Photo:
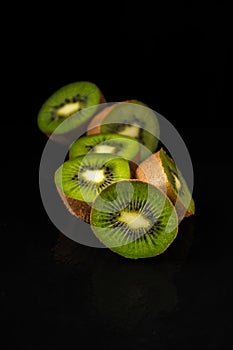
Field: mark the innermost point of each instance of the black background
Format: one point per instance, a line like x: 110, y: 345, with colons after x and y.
x: 55, y: 293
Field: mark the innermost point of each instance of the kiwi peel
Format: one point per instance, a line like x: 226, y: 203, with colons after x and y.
x: 160, y: 170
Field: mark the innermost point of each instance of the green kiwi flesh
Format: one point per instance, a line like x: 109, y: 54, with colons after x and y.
x: 134, y: 120
x: 134, y: 219
x: 122, y: 146
x: 70, y: 100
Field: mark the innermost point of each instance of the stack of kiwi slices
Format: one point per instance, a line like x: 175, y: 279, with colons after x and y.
x: 117, y: 177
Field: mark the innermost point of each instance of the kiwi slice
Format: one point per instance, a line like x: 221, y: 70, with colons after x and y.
x: 160, y: 170
x: 80, y: 180
x: 70, y: 100
x: 123, y: 146
x: 134, y: 219
x: 130, y: 118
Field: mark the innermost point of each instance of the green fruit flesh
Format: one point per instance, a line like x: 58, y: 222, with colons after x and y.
x: 71, y: 100
x: 84, y: 177
x: 134, y: 120
x: 177, y: 181
x: 134, y: 219
x: 122, y: 146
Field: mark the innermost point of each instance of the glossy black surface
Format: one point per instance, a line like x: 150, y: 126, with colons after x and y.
x: 56, y: 294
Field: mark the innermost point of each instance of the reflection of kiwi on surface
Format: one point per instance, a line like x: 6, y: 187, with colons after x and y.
x: 80, y: 180
x: 71, y: 99
x: 123, y: 295
x: 161, y: 171
x: 179, y: 250
x: 129, y: 297
x: 126, y: 295
x: 134, y: 219
x: 66, y: 251
x: 131, y: 118
x: 122, y: 146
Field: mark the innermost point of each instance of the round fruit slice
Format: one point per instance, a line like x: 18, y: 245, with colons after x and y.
x: 134, y: 219
x: 79, y: 181
x: 122, y: 146
x: 70, y: 100
x: 131, y: 118
x: 160, y: 170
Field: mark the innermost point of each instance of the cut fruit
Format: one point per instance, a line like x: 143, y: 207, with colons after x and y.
x: 130, y: 118
x: 121, y: 146
x: 134, y: 219
x: 161, y: 171
x: 79, y: 181
x: 71, y: 100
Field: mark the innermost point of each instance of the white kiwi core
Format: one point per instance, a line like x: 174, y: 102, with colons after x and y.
x: 131, y: 130
x: 104, y: 149
x: 134, y: 220
x: 68, y: 109
x: 96, y: 176
x: 177, y: 182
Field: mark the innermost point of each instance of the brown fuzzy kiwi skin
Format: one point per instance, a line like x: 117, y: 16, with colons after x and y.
x: 78, y: 208
x: 80, y: 130
x: 95, y: 124
x: 151, y: 171
x: 133, y: 167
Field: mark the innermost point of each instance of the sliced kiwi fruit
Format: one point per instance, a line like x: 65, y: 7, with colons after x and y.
x: 70, y: 100
x: 123, y: 146
x: 130, y: 118
x: 80, y: 180
x: 160, y: 170
x: 134, y: 219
